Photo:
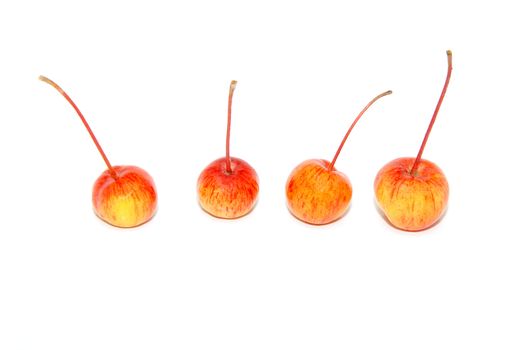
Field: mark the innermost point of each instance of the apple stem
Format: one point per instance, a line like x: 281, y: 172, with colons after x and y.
x: 423, y: 144
x: 66, y: 96
x: 233, y: 84
x: 332, y: 164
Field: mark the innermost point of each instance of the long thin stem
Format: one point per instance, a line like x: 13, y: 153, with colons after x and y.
x: 423, y: 144
x: 332, y: 164
x: 233, y: 84
x: 66, y: 96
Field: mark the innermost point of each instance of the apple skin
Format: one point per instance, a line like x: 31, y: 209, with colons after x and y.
x: 411, y: 202
x: 128, y: 200
x: 228, y: 195
x: 317, y: 195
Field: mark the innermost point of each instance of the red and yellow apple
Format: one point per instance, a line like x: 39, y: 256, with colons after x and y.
x: 411, y: 202
x: 316, y: 192
x: 126, y: 200
x: 413, y: 193
x: 123, y: 196
x: 228, y: 194
x: 228, y: 187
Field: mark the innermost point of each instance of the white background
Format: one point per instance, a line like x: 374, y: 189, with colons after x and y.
x: 153, y: 79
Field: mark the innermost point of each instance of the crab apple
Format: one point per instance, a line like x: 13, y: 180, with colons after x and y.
x: 123, y: 196
x: 412, y: 193
x: 228, y: 187
x: 316, y: 192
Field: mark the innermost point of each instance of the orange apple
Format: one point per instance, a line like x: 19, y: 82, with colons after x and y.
x: 412, y: 193
x: 228, y: 187
x: 316, y: 192
x: 123, y: 196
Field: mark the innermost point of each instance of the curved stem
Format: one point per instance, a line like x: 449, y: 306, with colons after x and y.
x: 332, y: 164
x: 423, y: 144
x: 233, y: 84
x: 66, y: 96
